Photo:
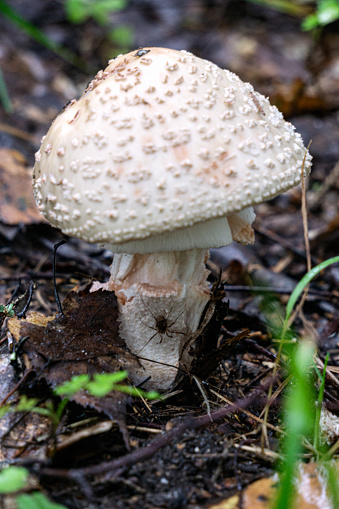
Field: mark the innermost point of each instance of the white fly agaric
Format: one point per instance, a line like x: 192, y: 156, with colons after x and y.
x: 161, y: 159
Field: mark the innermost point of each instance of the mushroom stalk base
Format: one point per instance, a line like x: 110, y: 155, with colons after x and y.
x: 161, y: 297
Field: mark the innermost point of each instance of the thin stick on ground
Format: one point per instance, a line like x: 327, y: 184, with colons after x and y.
x: 16, y: 387
x: 307, y: 245
x: 298, y: 308
x: 207, y: 403
x: 249, y: 414
x: 117, y: 466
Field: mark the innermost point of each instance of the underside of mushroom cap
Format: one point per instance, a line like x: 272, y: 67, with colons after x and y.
x: 216, y: 232
x: 162, y: 140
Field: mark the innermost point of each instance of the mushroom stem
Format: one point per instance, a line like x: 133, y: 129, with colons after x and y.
x: 161, y: 297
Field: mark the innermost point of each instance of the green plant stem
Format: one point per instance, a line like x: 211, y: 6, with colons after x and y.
x: 319, y: 405
x: 286, y: 6
x: 299, y: 421
x: 328, y: 455
x: 286, y: 491
x: 300, y: 287
x: 39, y: 36
x: 60, y: 410
x: 332, y: 482
x: 4, y: 97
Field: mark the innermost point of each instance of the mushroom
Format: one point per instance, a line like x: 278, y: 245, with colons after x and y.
x: 162, y: 158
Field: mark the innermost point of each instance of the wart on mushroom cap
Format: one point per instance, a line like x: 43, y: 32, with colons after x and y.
x: 164, y: 151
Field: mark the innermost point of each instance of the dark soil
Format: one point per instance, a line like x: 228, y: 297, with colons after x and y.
x: 195, y: 466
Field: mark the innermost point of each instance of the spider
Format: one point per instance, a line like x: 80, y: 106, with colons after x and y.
x: 162, y: 327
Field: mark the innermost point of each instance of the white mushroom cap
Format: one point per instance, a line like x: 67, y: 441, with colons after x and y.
x: 162, y: 140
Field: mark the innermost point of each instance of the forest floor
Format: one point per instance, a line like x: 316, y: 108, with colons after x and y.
x: 193, y: 449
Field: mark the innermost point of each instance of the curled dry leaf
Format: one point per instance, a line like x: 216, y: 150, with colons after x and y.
x: 16, y: 195
x: 84, y: 340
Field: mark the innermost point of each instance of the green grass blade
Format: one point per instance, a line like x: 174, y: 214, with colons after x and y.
x: 287, y: 6
x: 36, y: 34
x: 299, y: 421
x: 4, y: 96
x: 36, y: 500
x: 133, y: 391
x: 304, y: 282
x: 332, y: 482
x: 319, y: 405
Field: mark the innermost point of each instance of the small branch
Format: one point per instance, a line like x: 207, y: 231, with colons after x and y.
x: 16, y: 387
x: 207, y: 403
x: 57, y: 300
x: 117, y: 466
x: 299, y: 307
x: 284, y: 243
x: 22, y: 313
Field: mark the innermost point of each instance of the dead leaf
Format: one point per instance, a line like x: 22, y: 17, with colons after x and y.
x: 311, y: 492
x: 229, y: 503
x: 84, y: 340
x: 259, y: 494
x: 17, y: 204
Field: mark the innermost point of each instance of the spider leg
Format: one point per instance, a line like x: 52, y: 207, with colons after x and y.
x: 149, y: 326
x: 150, y: 339
x: 177, y: 318
x: 176, y: 332
x: 161, y: 338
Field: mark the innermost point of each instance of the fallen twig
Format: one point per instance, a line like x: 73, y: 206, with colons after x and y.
x: 16, y: 387
x: 117, y: 466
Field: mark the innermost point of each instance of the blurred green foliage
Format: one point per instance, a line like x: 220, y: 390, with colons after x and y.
x: 315, y: 14
x: 79, y: 11
x: 36, y: 500
x: 13, y: 479
x: 298, y: 420
x: 292, y: 7
x: 302, y: 407
x: 326, y: 12
x: 6, y: 103
x: 7, y: 310
x: 38, y: 35
x: 101, y: 384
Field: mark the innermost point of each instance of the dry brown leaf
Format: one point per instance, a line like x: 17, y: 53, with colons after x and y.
x: 229, y: 503
x: 311, y: 492
x: 259, y: 494
x: 17, y: 204
x: 84, y: 340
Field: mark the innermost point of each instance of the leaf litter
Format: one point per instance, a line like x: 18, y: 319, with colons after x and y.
x: 198, y: 467
x: 82, y: 340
